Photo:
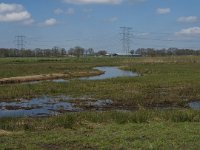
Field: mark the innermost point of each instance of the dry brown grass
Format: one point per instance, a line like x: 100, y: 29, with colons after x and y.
x: 5, y: 133
x: 52, y: 76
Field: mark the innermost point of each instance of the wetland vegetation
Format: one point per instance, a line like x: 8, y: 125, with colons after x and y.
x: 163, y: 82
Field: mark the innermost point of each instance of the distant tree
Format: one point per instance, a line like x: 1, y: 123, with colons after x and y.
x: 56, y: 51
x: 63, y: 51
x: 132, y: 52
x: 79, y: 51
x: 141, y: 51
x: 76, y: 51
x: 89, y: 51
x: 102, y: 52
x: 71, y: 51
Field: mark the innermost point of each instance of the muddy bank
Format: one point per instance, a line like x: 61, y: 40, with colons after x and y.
x: 49, y: 77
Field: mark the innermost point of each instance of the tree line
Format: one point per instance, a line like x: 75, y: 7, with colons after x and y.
x: 55, y: 51
x: 166, y: 52
x: 79, y: 51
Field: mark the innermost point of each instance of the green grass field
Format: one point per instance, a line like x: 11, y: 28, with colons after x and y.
x: 168, y: 81
x: 109, y: 130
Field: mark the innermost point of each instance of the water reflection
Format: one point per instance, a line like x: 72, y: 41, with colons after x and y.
x: 43, y: 106
x: 48, y: 106
x: 194, y: 105
x: 60, y: 80
x: 111, y: 72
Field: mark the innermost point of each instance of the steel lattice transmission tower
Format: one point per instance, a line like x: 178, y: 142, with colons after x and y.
x: 126, y: 38
x: 20, y: 42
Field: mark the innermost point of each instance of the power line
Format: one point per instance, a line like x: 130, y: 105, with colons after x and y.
x: 165, y: 40
x: 20, y: 42
x: 126, y: 38
x: 155, y: 33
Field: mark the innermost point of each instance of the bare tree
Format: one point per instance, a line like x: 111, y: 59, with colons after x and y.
x: 102, y: 52
x: 76, y: 51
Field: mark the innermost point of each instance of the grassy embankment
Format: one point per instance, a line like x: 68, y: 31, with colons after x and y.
x: 171, y: 81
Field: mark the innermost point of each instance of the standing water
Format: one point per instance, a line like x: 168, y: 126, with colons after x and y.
x: 194, y: 105
x: 111, y: 72
x: 42, y: 106
x: 45, y: 106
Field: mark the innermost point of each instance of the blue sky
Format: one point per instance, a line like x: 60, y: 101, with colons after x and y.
x: 96, y: 23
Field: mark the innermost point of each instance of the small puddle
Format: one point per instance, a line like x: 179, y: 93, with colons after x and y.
x: 54, y: 80
x: 194, y: 105
x: 100, y: 103
x: 60, y: 81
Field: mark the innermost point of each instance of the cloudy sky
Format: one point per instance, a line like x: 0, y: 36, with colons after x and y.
x: 96, y: 23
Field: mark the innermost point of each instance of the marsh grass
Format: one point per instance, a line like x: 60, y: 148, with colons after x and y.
x: 74, y: 120
x: 182, y: 116
x: 170, y: 81
x: 12, y: 67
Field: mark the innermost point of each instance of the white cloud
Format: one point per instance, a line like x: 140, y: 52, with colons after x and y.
x: 113, y: 2
x: 13, y: 13
x: 93, y: 1
x: 163, y: 10
x: 4, y: 7
x: 49, y: 22
x: 188, y: 19
x: 70, y: 11
x: 189, y: 31
x: 15, y: 16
